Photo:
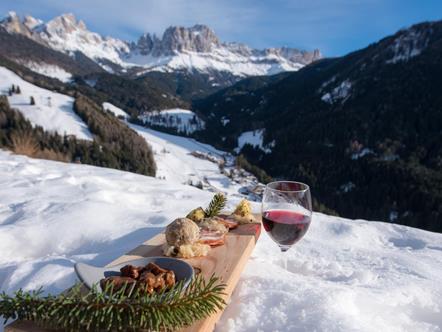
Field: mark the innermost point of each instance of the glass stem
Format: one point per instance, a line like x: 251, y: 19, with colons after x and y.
x: 284, y: 257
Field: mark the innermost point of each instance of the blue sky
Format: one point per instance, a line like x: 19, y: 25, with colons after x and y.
x: 336, y: 27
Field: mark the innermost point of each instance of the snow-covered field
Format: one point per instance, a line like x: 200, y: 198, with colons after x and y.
x: 53, y: 111
x: 184, y: 121
x: 255, y: 138
x: 345, y: 275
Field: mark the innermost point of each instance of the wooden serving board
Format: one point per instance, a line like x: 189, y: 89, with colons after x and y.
x: 226, y: 262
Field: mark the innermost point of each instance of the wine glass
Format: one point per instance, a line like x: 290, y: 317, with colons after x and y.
x: 286, y: 212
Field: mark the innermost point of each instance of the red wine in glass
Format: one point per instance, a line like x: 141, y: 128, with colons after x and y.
x: 285, y: 227
x: 286, y: 212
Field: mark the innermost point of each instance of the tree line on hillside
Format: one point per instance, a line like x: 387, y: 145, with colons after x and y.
x: 114, y: 145
x: 126, y: 149
x: 20, y: 136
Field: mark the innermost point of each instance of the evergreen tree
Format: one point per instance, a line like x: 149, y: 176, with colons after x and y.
x: 32, y: 101
x: 18, y: 90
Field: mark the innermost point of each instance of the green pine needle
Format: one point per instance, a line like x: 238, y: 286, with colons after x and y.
x: 110, y: 310
x: 217, y: 203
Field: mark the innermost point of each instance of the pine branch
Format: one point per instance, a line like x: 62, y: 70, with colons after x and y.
x: 217, y: 203
x: 109, y: 310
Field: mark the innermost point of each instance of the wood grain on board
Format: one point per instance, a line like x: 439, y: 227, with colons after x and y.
x: 226, y: 262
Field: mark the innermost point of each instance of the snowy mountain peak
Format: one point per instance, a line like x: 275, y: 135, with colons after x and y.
x: 31, y: 22
x: 65, y: 24
x: 67, y: 34
x: 176, y: 39
x: 12, y: 24
x: 12, y: 15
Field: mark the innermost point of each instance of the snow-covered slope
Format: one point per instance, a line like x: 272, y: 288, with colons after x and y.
x: 115, y: 110
x: 194, y: 48
x: 345, y: 275
x: 53, y: 71
x: 52, y: 111
x: 254, y: 138
x: 64, y: 33
x: 187, y: 161
x: 222, y: 59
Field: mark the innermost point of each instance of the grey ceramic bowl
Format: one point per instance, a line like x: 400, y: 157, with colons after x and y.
x: 91, y: 275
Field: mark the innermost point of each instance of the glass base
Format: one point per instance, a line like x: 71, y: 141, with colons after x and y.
x: 284, y: 248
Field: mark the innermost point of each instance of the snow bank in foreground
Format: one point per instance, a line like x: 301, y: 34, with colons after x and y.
x: 345, y: 275
x: 53, y: 111
x: 53, y: 71
x: 184, y: 121
x: 115, y: 110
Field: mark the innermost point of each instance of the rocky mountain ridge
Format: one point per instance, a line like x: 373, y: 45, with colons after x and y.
x: 193, y: 49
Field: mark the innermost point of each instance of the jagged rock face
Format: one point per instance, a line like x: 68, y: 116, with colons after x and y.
x: 202, y: 39
x: 295, y: 55
x: 65, y: 33
x: 199, y: 38
x: 144, y: 45
x: 198, y: 47
x: 64, y: 25
x: 12, y: 24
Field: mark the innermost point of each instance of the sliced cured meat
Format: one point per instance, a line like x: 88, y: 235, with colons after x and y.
x: 227, y: 221
x: 212, y: 238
